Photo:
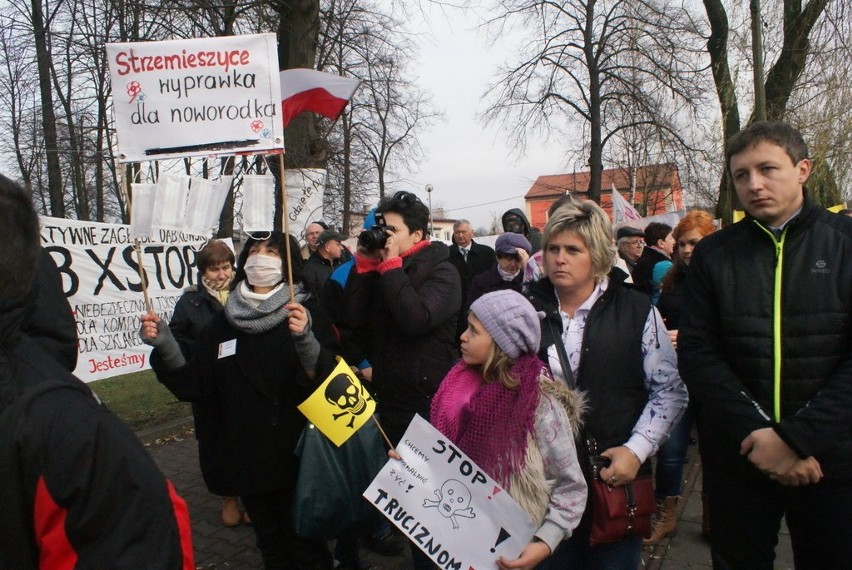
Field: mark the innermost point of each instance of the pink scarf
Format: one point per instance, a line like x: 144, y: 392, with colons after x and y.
x: 488, y: 422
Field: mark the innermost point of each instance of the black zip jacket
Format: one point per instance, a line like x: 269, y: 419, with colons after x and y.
x: 766, y: 338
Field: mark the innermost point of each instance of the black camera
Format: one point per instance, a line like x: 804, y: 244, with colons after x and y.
x: 376, y: 237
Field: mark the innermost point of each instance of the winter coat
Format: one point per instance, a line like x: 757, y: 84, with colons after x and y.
x: 480, y: 259
x: 316, y: 271
x: 51, y: 321
x: 671, y: 301
x: 489, y: 282
x: 532, y: 234
x: 195, y: 308
x: 551, y: 487
x: 407, y: 317
x: 643, y: 273
x: 749, y: 296
x: 247, y: 420
x: 77, y: 489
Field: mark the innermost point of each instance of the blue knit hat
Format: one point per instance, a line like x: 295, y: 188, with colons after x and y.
x: 511, y: 321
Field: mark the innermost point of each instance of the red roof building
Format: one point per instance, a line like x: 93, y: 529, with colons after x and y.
x: 653, y: 189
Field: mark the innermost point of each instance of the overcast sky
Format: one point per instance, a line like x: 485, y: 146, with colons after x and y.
x: 472, y: 169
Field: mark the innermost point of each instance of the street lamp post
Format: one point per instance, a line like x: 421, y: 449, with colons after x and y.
x: 431, y: 222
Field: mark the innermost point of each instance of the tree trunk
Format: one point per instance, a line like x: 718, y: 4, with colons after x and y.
x: 595, y: 143
x: 298, y: 33
x: 717, y: 48
x: 48, y: 117
x: 785, y: 73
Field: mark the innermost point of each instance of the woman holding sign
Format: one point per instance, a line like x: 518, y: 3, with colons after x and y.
x: 195, y: 308
x: 254, y: 363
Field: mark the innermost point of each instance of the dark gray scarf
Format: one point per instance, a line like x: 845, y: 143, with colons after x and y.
x: 243, y: 316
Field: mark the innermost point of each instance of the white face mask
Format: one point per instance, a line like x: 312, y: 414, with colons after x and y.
x: 263, y: 270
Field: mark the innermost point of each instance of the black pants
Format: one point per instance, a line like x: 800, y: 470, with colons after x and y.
x: 281, y: 548
x: 745, y: 517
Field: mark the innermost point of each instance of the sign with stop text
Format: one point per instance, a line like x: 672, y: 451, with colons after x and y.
x: 446, y: 505
x: 196, y: 97
x: 100, y: 278
x: 340, y: 406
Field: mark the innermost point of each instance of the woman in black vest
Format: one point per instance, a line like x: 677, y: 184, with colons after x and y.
x: 619, y: 354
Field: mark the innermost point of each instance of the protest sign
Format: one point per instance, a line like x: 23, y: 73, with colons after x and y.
x: 305, y: 188
x: 100, y: 277
x: 446, y: 505
x: 196, y: 97
x: 340, y: 406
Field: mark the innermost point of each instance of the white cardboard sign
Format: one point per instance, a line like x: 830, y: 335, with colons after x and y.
x: 196, y: 97
x: 446, y: 505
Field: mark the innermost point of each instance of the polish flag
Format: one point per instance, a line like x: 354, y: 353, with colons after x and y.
x: 312, y: 90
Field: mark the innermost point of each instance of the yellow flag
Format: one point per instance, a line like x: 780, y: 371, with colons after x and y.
x: 340, y: 406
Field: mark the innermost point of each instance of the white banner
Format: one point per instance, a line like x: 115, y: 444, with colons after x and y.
x: 196, y: 97
x: 446, y: 505
x: 99, y: 272
x: 305, y: 189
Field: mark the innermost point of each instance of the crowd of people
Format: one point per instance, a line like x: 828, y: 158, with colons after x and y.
x: 558, y: 359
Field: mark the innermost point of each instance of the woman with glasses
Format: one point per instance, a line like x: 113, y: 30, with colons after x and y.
x: 404, y: 296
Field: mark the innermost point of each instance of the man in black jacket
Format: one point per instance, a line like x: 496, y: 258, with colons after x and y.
x: 77, y: 489
x: 470, y: 259
x: 323, y: 261
x: 766, y: 352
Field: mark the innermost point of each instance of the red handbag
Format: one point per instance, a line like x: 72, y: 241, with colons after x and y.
x: 618, y: 512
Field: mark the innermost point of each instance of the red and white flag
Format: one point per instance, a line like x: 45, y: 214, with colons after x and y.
x: 312, y: 90
x: 622, y: 210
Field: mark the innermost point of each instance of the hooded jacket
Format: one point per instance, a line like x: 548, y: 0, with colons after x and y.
x: 531, y: 233
x: 766, y: 338
x: 77, y: 489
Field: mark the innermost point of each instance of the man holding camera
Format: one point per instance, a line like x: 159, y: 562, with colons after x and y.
x: 405, y: 295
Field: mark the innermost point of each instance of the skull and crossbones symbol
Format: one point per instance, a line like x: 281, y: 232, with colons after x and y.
x: 348, y: 396
x: 453, y: 501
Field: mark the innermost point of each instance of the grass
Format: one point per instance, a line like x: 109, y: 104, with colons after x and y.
x: 140, y: 400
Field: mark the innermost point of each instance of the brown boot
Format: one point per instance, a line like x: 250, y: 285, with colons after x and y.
x: 231, y: 515
x: 666, y: 522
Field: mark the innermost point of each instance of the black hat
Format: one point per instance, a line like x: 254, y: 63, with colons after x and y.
x: 329, y: 235
x: 627, y: 231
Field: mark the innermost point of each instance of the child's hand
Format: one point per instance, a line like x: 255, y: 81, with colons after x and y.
x: 532, y: 555
x: 394, y: 455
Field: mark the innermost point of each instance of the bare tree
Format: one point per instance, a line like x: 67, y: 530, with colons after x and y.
x: 798, y: 21
x: 379, y: 132
x: 596, y: 67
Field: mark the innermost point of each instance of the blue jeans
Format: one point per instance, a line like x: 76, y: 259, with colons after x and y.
x: 672, y: 456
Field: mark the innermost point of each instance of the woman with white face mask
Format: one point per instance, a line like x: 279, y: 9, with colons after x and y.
x: 254, y: 363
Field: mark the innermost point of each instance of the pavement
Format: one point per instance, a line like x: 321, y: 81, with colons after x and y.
x: 174, y: 449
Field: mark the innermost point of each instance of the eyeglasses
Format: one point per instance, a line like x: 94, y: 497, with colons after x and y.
x: 406, y: 197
